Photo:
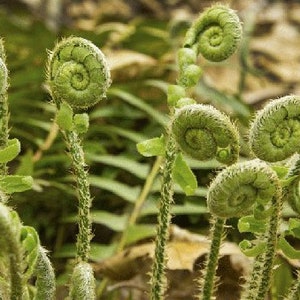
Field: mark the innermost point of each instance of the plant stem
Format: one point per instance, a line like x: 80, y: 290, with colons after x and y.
x: 259, y: 283
x: 158, y: 280
x: 4, y: 114
x: 207, y: 287
x: 267, y: 266
x: 84, y: 198
x: 10, y: 230
x: 294, y: 290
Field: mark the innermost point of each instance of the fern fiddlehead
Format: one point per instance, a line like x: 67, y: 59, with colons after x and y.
x: 235, y: 192
x: 78, y: 73
x: 205, y: 133
x: 189, y: 74
x: 275, y: 132
x: 78, y: 77
x: 215, y: 34
x: 238, y: 187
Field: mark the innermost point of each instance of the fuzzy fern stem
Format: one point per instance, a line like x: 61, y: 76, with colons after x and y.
x: 10, y: 231
x: 158, y: 279
x: 207, y: 287
x: 294, y: 291
x: 269, y: 256
x: 84, y: 197
x: 4, y: 115
x: 259, y: 282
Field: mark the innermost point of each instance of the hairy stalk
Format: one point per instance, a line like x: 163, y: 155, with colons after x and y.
x: 84, y: 197
x: 45, y: 283
x: 207, y: 287
x: 158, y: 279
x: 4, y: 115
x: 11, y: 246
x: 78, y: 78
x: 274, y: 136
x: 205, y: 133
x: 269, y: 256
x: 294, y: 291
x: 202, y: 131
x: 260, y: 279
x: 235, y: 192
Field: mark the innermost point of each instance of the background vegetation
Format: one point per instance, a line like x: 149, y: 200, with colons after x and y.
x: 140, y: 40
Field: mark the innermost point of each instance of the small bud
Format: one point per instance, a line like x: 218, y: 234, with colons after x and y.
x: 175, y: 92
x: 190, y: 76
x: 185, y: 101
x: 81, y: 122
x: 186, y: 57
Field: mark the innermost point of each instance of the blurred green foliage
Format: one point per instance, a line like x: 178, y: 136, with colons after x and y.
x: 134, y: 111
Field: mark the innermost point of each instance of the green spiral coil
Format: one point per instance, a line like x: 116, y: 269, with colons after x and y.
x: 238, y: 187
x: 205, y: 133
x: 215, y: 34
x: 275, y: 131
x: 77, y: 73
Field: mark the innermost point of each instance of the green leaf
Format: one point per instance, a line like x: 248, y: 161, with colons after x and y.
x: 281, y: 171
x: 153, y: 147
x: 124, y: 191
x: 30, y: 243
x: 11, y: 151
x: 186, y: 209
x: 184, y: 176
x: 15, y: 222
x: 259, y: 211
x: 140, y: 231
x: 98, y: 251
x: 26, y: 165
x: 294, y: 227
x: 64, y: 116
x: 139, y: 103
x: 288, y: 249
x: 121, y: 162
x: 110, y: 220
x: 81, y: 122
x: 117, y: 130
x: 15, y: 183
x: 251, y: 250
x: 282, y: 278
x: 251, y: 224
x: 288, y: 181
